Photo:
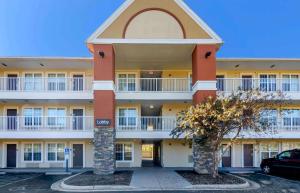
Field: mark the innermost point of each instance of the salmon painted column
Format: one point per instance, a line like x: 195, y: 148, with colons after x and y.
x: 104, y: 109
x: 204, y: 81
x: 204, y: 72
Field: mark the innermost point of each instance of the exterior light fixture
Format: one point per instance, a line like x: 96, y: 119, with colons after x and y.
x: 272, y: 66
x: 236, y: 66
x: 42, y: 64
x: 207, y: 54
x: 3, y: 64
x: 102, y: 54
x: 151, y: 107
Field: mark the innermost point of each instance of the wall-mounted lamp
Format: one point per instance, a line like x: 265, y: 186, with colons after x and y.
x: 3, y: 64
x: 102, y: 54
x: 272, y: 66
x: 207, y: 54
x: 42, y: 64
x: 151, y: 106
x: 236, y: 66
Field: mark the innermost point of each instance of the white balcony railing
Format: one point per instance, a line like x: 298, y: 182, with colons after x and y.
x: 39, y: 123
x: 45, y: 84
x: 153, y: 85
x: 262, y: 84
x: 149, y: 124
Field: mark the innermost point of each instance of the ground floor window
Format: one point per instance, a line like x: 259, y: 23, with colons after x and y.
x: 268, y: 150
x: 32, y: 152
x: 123, y: 152
x: 56, y: 152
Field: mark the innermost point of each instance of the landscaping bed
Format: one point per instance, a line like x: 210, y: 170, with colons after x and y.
x: 91, y: 179
x: 201, y: 179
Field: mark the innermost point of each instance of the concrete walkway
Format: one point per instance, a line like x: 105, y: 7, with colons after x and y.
x: 154, y: 178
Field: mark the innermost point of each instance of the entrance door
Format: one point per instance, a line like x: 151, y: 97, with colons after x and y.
x: 12, y: 82
x: 248, y: 155
x: 77, y: 155
x: 11, y: 155
x: 226, y: 156
x: 11, y: 120
x: 77, y: 119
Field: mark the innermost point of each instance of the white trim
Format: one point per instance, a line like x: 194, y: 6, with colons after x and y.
x: 205, y: 85
x: 32, y: 151
x: 199, y: 21
x: 154, y: 41
x: 123, y: 152
x: 83, y: 154
x: 46, y: 152
x: 215, y: 38
x: 109, y: 21
x: 5, y: 153
x: 103, y: 85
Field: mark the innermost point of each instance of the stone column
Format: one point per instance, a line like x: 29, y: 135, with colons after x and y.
x: 204, y: 81
x: 104, y: 109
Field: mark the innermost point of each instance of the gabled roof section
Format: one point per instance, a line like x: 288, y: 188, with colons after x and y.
x: 113, y: 29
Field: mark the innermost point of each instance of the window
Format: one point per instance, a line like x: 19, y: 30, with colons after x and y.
x: 290, y: 82
x: 127, y: 117
x: 285, y: 155
x: 268, y: 150
x: 269, y: 118
x: 296, y: 155
x: 56, y: 82
x: 56, y: 152
x: 220, y: 83
x: 33, y: 81
x: 247, y: 82
x: 32, y: 152
x: 267, y: 82
x: 32, y: 117
x: 123, y: 152
x: 56, y: 117
x: 78, y: 82
x: 291, y: 119
x: 127, y: 82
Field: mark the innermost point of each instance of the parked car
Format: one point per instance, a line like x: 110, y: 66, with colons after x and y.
x: 285, y: 162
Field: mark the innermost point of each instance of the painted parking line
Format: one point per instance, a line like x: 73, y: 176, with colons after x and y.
x: 9, y: 179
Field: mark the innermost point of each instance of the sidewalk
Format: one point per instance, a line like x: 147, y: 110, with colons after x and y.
x: 153, y: 178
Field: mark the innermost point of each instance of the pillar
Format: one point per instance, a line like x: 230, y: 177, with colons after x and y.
x: 104, y: 109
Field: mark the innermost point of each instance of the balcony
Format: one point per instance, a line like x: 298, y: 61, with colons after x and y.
x: 46, y: 127
x: 145, y: 127
x: 290, y: 87
x: 46, y: 88
x: 154, y: 88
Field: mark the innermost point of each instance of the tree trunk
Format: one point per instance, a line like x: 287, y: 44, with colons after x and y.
x: 205, y: 158
x: 104, y: 151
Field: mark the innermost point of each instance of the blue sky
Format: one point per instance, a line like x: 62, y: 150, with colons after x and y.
x: 249, y: 28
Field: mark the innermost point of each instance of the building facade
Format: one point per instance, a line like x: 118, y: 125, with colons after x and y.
x: 151, y: 60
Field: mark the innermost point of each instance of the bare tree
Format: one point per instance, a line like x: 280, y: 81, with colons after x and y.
x: 210, y: 122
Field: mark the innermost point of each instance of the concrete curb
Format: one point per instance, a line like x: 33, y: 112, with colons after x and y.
x: 61, y: 186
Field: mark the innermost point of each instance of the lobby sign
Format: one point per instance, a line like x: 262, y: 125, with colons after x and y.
x: 103, y: 122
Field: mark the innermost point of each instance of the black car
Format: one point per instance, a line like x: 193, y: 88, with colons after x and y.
x: 285, y: 162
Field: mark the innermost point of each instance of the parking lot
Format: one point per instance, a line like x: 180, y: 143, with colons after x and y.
x: 40, y: 183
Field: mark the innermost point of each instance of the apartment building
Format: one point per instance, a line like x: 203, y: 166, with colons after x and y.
x: 151, y: 59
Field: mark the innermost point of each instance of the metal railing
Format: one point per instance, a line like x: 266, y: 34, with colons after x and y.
x: 41, y: 123
x: 153, y: 85
x: 262, y: 84
x: 145, y: 123
x: 45, y: 84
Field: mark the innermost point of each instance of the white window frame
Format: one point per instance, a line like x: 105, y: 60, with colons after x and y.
x: 57, y: 125
x: 127, y: 83
x: 57, y: 83
x: 72, y: 80
x: 290, y: 81
x: 32, y: 73
x: 23, y: 116
x: 32, y: 152
x: 127, y: 125
x: 268, y: 82
x: 291, y: 117
x: 123, y: 152
x: 47, y: 151
x: 269, y: 150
